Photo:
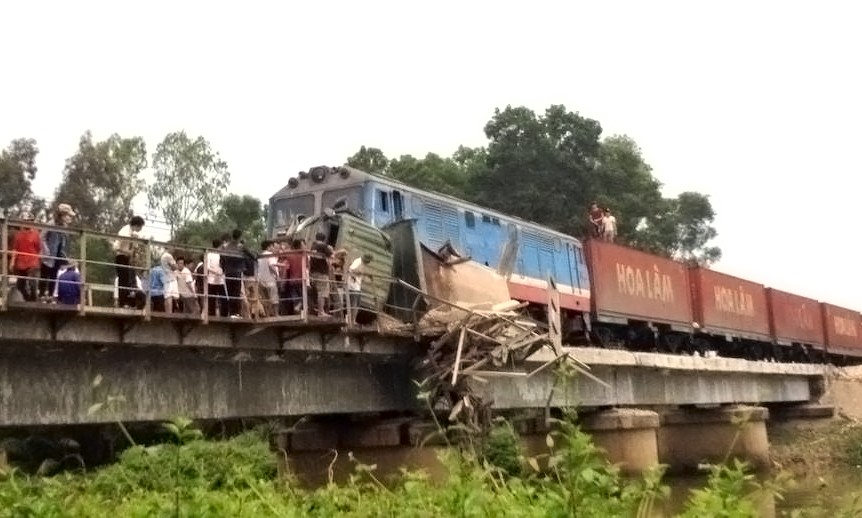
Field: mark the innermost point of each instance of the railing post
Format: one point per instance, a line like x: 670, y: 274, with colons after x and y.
x: 304, y: 277
x: 348, y: 305
x: 206, y: 276
x: 146, y: 278
x: 82, y: 266
x: 4, y: 268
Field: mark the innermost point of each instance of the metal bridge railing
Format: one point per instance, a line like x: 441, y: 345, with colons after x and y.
x: 215, y: 295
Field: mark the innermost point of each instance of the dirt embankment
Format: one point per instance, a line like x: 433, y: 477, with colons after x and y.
x: 814, y: 447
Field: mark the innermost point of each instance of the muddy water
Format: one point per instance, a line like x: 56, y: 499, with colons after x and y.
x: 820, y: 495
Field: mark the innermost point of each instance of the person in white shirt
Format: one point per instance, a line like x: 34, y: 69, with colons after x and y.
x: 215, y: 281
x: 172, y: 291
x: 267, y: 277
x: 186, y: 288
x: 609, y: 226
x: 355, y: 275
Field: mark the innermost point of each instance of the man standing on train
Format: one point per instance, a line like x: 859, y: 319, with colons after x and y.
x: 609, y: 226
x: 596, y: 219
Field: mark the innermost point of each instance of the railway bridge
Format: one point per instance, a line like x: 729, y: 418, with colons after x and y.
x: 60, y: 368
x: 57, y: 366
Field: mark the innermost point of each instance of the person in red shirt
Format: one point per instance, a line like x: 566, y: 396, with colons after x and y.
x: 290, y: 269
x: 596, y: 216
x: 25, y: 264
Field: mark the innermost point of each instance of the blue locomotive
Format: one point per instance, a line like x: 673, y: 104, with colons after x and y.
x: 527, y: 253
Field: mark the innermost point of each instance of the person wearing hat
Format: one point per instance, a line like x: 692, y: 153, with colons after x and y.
x: 24, y: 262
x: 55, y: 244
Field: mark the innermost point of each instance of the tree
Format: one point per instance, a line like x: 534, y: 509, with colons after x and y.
x: 623, y: 182
x: 548, y: 168
x: 199, y: 233
x: 17, y: 171
x: 539, y: 167
x: 190, y: 180
x: 694, y: 215
x: 370, y: 160
x: 433, y: 173
x: 246, y: 213
x: 101, y: 180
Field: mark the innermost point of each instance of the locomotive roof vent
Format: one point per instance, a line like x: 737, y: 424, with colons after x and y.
x: 303, y: 175
x: 293, y: 183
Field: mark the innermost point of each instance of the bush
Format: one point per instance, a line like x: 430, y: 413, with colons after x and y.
x: 501, y: 448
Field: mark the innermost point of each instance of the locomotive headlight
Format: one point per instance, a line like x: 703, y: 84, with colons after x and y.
x: 293, y: 183
x: 318, y: 174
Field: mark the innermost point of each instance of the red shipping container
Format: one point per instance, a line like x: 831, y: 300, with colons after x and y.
x: 795, y: 319
x: 728, y: 305
x: 842, y: 327
x: 628, y: 284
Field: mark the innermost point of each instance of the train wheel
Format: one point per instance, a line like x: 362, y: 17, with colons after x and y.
x: 700, y: 346
x: 605, y: 337
x: 780, y: 354
x: 671, y: 343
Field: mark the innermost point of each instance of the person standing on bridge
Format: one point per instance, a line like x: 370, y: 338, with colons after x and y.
x: 24, y: 264
x: 124, y: 250
x: 267, y: 277
x: 357, y: 272
x: 54, y: 245
x: 319, y: 269
x: 233, y: 264
x: 217, y: 296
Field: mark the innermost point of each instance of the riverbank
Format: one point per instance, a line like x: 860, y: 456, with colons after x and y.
x: 812, y: 447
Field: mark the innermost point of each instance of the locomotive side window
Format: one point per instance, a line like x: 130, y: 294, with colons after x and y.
x: 350, y: 197
x: 469, y: 219
x: 397, y: 204
x: 383, y: 201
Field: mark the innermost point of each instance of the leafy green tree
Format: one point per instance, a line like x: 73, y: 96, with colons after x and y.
x: 246, y: 213
x: 370, y: 160
x: 199, y: 233
x: 549, y: 168
x: 623, y: 182
x: 433, y: 173
x: 17, y: 171
x: 101, y: 180
x: 190, y: 180
x: 695, y: 215
x: 540, y: 167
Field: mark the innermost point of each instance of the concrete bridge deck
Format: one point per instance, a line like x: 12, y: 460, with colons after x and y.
x: 55, y: 365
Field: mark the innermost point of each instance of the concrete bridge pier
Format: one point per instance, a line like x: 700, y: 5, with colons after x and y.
x: 319, y: 452
x: 693, y: 436
x: 629, y: 436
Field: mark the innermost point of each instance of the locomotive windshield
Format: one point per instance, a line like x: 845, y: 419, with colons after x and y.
x: 288, y: 210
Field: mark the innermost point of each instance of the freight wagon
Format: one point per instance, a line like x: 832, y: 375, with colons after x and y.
x: 610, y: 295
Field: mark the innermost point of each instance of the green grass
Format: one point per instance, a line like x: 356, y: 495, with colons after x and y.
x: 192, y: 477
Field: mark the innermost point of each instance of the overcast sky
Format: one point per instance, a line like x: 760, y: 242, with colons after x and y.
x: 755, y: 103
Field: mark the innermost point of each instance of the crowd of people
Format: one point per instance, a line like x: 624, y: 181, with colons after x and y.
x: 227, y: 281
